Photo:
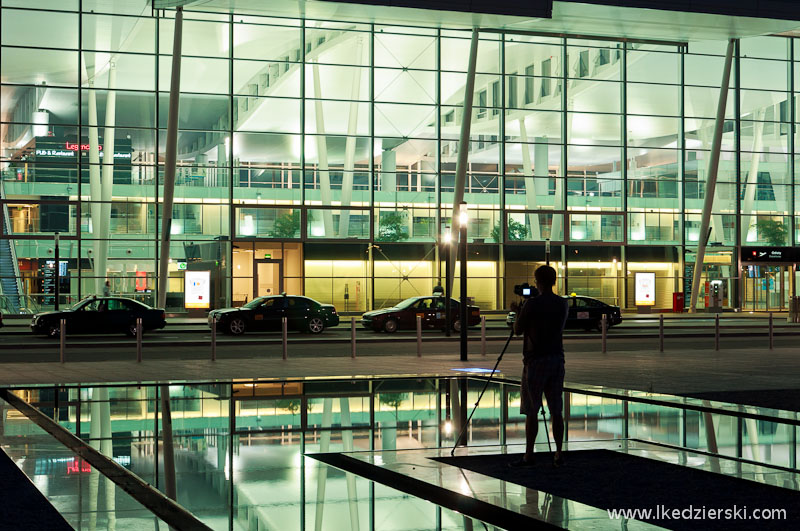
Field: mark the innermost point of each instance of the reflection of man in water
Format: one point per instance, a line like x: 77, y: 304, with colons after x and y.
x: 541, y: 319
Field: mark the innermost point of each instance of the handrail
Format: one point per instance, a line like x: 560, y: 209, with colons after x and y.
x: 151, y: 498
x: 666, y: 403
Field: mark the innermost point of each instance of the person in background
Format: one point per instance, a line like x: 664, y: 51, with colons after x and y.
x: 107, y: 289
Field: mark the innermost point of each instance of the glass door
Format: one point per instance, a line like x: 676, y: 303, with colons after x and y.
x: 267, y: 277
x: 766, y: 288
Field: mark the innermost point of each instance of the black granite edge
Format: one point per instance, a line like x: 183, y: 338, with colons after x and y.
x: 775, y: 9
x: 25, y: 506
x: 148, y: 496
x: 449, y: 499
x: 529, y: 8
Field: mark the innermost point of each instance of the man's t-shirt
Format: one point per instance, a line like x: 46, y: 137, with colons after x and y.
x: 542, y: 321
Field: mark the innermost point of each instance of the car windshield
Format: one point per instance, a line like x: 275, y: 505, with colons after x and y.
x: 255, y: 303
x: 406, y: 303
x: 82, y: 304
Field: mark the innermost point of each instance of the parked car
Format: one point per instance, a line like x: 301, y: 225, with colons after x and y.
x: 100, y: 315
x: 403, y: 316
x: 266, y: 313
x: 584, y: 312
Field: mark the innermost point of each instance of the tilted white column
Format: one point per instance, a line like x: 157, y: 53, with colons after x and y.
x: 752, y: 175
x: 95, y: 427
x: 350, y: 145
x: 539, y: 168
x: 463, y: 152
x: 347, y: 446
x: 107, y: 182
x: 322, y: 469
x: 95, y: 187
x: 711, y: 177
x: 322, y: 155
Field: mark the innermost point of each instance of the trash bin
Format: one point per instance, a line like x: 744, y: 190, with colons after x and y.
x: 794, y: 310
x: 677, y: 302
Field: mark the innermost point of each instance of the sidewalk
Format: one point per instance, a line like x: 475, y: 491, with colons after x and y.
x: 676, y: 372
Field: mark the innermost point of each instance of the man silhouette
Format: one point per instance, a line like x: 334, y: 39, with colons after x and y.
x: 541, y: 319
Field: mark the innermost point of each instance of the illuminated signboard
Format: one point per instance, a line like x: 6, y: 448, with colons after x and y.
x: 645, y: 289
x: 770, y: 254
x: 198, y: 289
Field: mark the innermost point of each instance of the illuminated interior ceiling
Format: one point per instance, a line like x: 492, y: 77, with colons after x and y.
x: 568, y: 17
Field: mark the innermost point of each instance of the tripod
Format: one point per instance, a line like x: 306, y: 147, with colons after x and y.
x: 486, y: 385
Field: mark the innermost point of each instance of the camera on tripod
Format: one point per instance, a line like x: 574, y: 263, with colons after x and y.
x: 525, y: 290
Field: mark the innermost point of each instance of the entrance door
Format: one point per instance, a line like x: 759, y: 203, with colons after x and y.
x: 765, y: 287
x: 267, y: 277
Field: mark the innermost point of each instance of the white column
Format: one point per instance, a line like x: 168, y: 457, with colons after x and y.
x: 95, y: 187
x: 388, y: 169
x: 463, y: 152
x: 107, y: 182
x: 107, y: 449
x: 752, y: 177
x: 322, y: 154
x: 350, y: 145
x: 711, y: 178
x: 95, y: 427
x: 347, y: 446
x: 322, y: 469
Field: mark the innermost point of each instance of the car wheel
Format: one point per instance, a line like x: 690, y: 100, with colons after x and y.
x: 53, y: 330
x: 236, y: 326
x: 599, y: 326
x: 390, y: 326
x: 131, y: 330
x: 457, y: 326
x: 316, y: 325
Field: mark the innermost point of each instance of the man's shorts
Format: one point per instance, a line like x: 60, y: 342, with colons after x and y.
x: 542, y: 376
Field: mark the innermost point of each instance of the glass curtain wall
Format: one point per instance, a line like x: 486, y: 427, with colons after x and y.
x: 314, y: 136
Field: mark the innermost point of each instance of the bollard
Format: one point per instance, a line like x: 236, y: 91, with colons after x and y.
x: 138, y: 339
x: 661, y: 332
x: 214, y: 338
x: 419, y: 336
x: 285, y: 334
x: 771, y: 336
x: 716, y: 332
x: 62, y: 339
x: 483, y: 335
x: 352, y: 337
x: 603, y: 330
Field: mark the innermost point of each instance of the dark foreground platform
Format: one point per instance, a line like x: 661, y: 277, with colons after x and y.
x: 598, y: 476
x: 24, y: 506
x: 614, y: 480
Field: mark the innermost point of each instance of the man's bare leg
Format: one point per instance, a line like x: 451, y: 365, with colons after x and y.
x: 558, y: 433
x: 531, y: 430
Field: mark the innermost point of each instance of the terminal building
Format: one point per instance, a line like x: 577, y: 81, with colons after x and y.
x: 318, y: 143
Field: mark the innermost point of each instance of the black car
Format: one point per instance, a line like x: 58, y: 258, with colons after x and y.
x: 266, y: 313
x: 584, y: 312
x: 100, y: 315
x: 431, y: 309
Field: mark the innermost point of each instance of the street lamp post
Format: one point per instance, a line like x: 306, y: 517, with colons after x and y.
x: 447, y: 287
x: 547, y: 251
x: 463, y: 219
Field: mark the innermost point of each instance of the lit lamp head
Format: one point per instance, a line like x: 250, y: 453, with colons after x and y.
x: 463, y: 215
x: 446, y: 237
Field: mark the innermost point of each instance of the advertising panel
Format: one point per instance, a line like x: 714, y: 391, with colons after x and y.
x: 198, y: 289
x: 645, y: 293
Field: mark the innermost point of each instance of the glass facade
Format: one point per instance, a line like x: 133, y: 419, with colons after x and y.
x: 319, y: 157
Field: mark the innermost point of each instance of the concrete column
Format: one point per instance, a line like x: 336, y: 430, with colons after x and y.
x: 752, y: 177
x: 388, y: 167
x: 201, y: 161
x: 107, y: 181
x: 322, y: 470
x: 322, y: 154
x: 711, y: 179
x: 350, y: 143
x: 463, y: 152
x: 95, y: 186
x: 170, y: 160
x: 347, y: 446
